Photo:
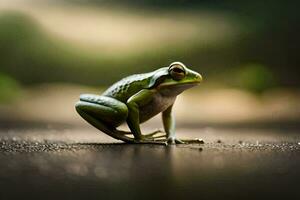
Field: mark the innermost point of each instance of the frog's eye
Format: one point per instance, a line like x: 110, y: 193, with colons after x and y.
x: 177, y: 71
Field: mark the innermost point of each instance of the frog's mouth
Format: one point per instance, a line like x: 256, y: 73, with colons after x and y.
x: 175, y: 88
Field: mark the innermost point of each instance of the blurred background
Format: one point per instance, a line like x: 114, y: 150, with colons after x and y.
x: 52, y: 51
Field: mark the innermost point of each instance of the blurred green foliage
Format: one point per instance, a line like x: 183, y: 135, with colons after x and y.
x: 31, y: 56
x: 10, y: 89
x: 269, y: 38
x: 254, y: 77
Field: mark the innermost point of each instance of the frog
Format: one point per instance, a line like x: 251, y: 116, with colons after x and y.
x: 136, y: 99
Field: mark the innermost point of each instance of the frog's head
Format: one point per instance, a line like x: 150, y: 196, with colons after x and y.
x: 175, y: 79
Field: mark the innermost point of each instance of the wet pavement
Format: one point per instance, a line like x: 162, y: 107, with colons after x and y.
x: 47, y: 163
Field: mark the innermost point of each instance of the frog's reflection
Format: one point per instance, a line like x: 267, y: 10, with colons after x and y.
x: 132, y: 162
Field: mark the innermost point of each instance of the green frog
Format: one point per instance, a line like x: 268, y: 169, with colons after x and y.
x: 136, y: 99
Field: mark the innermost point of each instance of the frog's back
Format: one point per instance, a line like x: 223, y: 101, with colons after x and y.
x: 125, y: 88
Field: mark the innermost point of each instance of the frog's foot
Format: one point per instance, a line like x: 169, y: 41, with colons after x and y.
x: 150, y: 136
x: 146, y: 141
x: 154, y: 135
x: 172, y: 140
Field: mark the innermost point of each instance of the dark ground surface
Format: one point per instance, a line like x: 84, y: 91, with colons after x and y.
x: 82, y: 164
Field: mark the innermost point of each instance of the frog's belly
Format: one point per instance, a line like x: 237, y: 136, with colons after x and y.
x: 158, y: 104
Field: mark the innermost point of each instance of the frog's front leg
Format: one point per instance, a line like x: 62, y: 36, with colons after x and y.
x: 169, y: 126
x: 133, y: 120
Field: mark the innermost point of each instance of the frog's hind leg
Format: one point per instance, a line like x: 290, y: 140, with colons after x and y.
x: 104, y: 113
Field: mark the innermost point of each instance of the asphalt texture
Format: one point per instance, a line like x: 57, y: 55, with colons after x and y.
x: 48, y: 163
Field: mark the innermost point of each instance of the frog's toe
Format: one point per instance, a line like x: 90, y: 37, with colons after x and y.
x: 172, y: 140
x: 152, y: 135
